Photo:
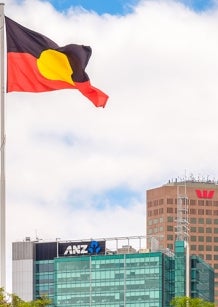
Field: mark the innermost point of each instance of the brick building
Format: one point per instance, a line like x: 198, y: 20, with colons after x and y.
x: 188, y: 209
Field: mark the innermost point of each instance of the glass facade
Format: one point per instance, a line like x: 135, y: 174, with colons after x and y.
x: 180, y: 269
x: 202, y: 276
x: 113, y: 280
x: 44, y: 278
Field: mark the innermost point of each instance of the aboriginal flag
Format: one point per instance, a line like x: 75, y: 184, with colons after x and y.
x: 37, y: 64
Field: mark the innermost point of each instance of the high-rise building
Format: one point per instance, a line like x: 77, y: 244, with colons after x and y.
x: 186, y: 209
x: 105, y: 272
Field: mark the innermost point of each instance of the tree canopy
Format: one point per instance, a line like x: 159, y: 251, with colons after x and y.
x: 185, y: 301
x: 12, y: 300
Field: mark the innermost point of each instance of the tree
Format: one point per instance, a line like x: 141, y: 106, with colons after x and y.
x: 185, y: 301
x: 12, y: 300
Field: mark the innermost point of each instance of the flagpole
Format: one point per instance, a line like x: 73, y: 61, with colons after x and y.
x: 2, y: 161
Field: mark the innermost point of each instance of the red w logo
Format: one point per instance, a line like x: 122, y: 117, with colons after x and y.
x: 205, y: 194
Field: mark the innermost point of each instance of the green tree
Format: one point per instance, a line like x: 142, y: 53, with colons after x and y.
x: 3, y: 299
x: 185, y: 301
x: 12, y: 300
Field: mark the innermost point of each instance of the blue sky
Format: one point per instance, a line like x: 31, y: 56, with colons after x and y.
x: 121, y: 7
x: 107, y: 6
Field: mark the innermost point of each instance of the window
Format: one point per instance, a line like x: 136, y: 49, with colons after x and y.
x: 200, y: 202
x: 170, y: 246
x: 215, y: 239
x: 155, y: 221
x: 208, y: 239
x: 208, y: 221
x: 192, y: 202
x: 200, y: 211
x: 208, y: 212
x: 169, y: 219
x: 169, y: 201
x: 193, y: 238
x: 215, y: 212
x: 208, y: 248
x: 193, y: 229
x: 208, y: 230
x: 161, y: 210
x: 201, y: 221
x: 201, y: 229
x: 208, y: 257
x: 169, y: 210
x: 200, y: 247
x: 208, y: 202
x: 169, y: 237
x: 161, y: 201
x: 201, y: 239
x: 215, y: 221
x: 192, y: 211
x: 215, y: 230
x: 155, y: 202
x: 149, y: 213
x: 156, y: 212
x: 193, y: 220
x: 169, y: 228
x: 193, y: 247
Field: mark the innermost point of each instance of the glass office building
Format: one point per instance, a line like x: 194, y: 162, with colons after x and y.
x: 88, y: 273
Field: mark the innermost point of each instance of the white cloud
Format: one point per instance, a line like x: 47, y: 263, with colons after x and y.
x: 159, y: 66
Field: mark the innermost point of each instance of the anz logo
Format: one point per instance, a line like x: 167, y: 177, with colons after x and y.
x: 207, y: 194
x: 82, y: 249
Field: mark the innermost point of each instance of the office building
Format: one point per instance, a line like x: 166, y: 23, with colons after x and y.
x: 186, y: 209
x: 107, y: 272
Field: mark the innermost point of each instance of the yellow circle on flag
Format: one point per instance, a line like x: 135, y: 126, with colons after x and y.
x: 54, y: 65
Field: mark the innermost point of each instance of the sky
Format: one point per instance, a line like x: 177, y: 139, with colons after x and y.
x: 74, y: 171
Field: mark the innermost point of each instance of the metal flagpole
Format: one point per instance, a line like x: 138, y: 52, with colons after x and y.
x: 2, y: 161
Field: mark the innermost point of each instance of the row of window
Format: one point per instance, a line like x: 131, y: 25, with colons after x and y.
x: 197, y: 238
x: 193, y: 230
x: 191, y: 202
x: 159, y: 211
x: 192, y: 220
x: 137, y: 300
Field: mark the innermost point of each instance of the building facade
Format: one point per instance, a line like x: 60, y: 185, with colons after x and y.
x: 102, y: 273
x: 187, y: 209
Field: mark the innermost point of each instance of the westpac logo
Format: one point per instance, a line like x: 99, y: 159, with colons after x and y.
x: 83, y: 248
x: 208, y: 194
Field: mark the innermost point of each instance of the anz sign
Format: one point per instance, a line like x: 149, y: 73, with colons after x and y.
x: 82, y: 248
